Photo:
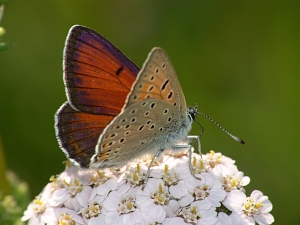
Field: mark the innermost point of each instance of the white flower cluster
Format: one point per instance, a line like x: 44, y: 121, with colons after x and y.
x: 171, y: 196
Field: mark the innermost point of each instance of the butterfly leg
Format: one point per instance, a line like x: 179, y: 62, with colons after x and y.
x: 192, y: 138
x: 149, y: 167
x: 177, y: 148
x: 189, y: 140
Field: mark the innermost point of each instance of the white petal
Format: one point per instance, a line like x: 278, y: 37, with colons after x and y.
x: 128, y: 219
x: 83, y: 196
x: 171, y: 208
x: 265, y: 218
x: 191, y: 183
x: 207, y: 221
x: 178, y: 190
x: 245, y: 180
x: 112, y: 201
x: 152, y: 210
x: 267, y: 207
x: 256, y: 195
x: 224, y: 218
x: 112, y: 218
x: 203, y: 204
x: 186, y: 200
x: 36, y: 220
x: 174, y: 221
x: 58, y: 197
x: 234, y: 200
x: 72, y: 203
x: 93, y: 194
x: 97, y: 220
x: 209, y: 213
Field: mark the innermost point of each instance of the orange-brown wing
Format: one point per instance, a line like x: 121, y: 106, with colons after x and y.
x: 78, y: 133
x: 98, y: 78
x: 97, y: 75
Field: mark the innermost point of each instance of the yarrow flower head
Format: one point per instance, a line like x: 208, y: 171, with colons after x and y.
x: 248, y: 210
x: 172, y: 195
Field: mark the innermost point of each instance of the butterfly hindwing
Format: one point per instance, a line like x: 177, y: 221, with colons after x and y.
x: 78, y: 133
x: 136, y: 131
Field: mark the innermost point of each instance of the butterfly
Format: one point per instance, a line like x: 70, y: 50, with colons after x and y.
x: 116, y: 112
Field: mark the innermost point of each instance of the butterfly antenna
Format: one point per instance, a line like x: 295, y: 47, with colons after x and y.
x: 222, y: 128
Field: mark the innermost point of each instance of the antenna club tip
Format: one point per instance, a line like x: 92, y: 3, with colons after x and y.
x: 238, y: 139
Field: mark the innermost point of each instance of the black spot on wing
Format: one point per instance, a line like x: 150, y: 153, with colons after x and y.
x: 119, y: 70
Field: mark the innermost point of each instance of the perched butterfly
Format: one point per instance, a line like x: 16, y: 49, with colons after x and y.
x: 115, y: 112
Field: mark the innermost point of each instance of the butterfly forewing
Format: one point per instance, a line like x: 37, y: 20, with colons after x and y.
x: 157, y: 79
x: 97, y: 76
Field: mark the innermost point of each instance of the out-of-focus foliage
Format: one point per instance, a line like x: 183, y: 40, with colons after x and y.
x: 13, y: 205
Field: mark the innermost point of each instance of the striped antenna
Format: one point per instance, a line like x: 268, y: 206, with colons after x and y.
x: 222, y: 128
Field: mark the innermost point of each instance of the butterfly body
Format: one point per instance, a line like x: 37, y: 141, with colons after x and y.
x: 116, y: 113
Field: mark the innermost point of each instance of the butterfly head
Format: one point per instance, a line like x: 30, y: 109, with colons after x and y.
x: 192, y: 112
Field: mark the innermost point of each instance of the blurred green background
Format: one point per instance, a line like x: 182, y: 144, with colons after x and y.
x: 239, y: 60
